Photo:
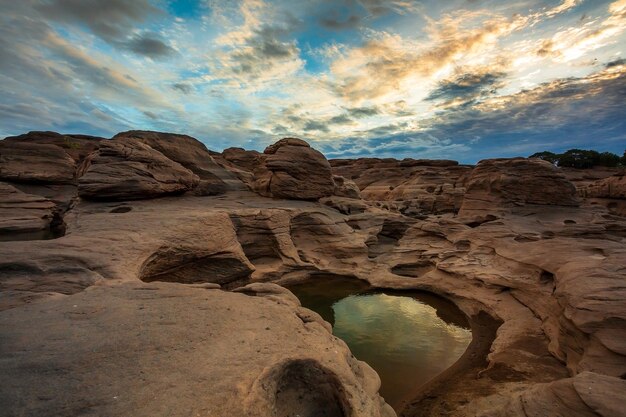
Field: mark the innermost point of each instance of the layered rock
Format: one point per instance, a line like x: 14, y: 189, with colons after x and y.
x: 291, y: 169
x: 543, y: 287
x: 34, y: 162
x: 241, y: 158
x: 190, y: 153
x: 412, y: 186
x: 611, y: 187
x: 131, y: 171
x: 503, y: 185
x: 23, y: 213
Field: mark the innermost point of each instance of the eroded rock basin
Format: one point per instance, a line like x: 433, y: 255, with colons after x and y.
x: 407, y: 337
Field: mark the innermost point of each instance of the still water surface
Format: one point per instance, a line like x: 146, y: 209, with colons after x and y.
x: 407, y: 337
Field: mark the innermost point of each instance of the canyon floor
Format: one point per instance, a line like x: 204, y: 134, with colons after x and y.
x: 142, y: 275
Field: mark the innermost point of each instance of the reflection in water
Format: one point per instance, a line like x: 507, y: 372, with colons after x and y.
x: 398, y: 334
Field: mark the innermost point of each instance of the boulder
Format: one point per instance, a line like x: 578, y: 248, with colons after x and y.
x: 504, y: 185
x: 241, y: 158
x: 291, y: 169
x: 35, y: 162
x: 76, y: 146
x: 346, y: 188
x: 131, y: 171
x: 190, y: 153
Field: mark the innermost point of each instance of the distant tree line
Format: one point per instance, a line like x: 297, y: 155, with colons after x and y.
x: 579, y: 158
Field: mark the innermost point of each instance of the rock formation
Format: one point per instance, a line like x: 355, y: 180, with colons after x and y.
x: 23, y: 213
x: 290, y: 168
x: 131, y: 311
x: 190, y: 153
x: 131, y: 171
x: 413, y: 187
x: 497, y: 185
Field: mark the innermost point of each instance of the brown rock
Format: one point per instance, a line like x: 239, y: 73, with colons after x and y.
x: 131, y: 171
x: 190, y: 153
x: 76, y: 146
x: 497, y: 185
x: 35, y: 162
x: 423, y: 186
x: 291, y: 169
x: 23, y: 213
x: 346, y: 188
x: 241, y: 158
x: 611, y: 187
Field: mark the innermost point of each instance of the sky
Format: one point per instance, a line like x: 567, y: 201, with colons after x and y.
x: 452, y: 79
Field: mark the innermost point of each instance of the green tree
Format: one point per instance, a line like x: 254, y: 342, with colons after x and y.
x: 581, y: 159
x: 546, y: 156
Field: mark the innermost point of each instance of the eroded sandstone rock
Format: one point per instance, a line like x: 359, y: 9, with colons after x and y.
x: 549, y: 279
x: 23, y: 213
x: 190, y: 153
x: 497, y: 185
x: 35, y: 162
x: 291, y: 169
x: 414, y: 186
x: 131, y: 171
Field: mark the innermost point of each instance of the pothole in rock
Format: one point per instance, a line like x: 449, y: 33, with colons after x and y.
x: 408, y: 337
x: 121, y: 209
x: 305, y: 389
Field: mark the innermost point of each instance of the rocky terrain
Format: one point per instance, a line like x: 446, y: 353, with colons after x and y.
x: 142, y: 276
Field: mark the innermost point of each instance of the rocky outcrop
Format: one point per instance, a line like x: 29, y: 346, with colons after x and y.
x: 241, y: 158
x: 44, y: 157
x: 504, y: 185
x: 346, y: 188
x: 132, y: 171
x: 124, y: 305
x: 34, y: 162
x: 610, y: 187
x: 190, y: 153
x: 414, y: 187
x: 291, y: 169
x: 23, y: 213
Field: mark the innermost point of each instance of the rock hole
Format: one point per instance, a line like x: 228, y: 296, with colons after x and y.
x: 413, y: 270
x: 305, y: 389
x: 123, y: 209
x: 568, y: 221
x: 546, y: 277
x: 547, y: 235
x: 478, y: 222
x: 170, y: 265
x: 526, y: 238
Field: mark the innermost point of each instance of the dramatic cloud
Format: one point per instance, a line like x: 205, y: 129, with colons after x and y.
x: 149, y: 45
x: 422, y: 78
x: 108, y: 19
x: 467, y: 87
